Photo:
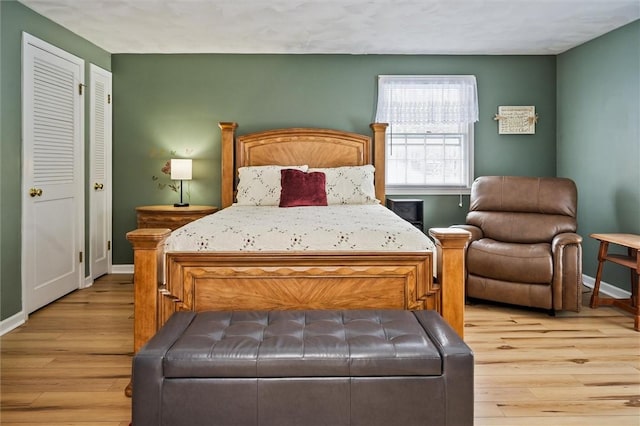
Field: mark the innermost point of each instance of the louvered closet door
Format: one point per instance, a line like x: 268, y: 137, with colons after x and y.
x: 52, y: 203
x: 100, y: 181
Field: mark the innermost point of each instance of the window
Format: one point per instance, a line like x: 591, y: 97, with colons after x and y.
x: 430, y: 138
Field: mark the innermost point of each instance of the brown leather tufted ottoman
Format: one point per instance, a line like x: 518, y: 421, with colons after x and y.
x: 306, y: 368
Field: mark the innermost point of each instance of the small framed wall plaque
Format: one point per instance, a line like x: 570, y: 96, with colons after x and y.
x: 516, y: 120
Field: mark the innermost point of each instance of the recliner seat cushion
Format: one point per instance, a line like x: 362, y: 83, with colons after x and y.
x: 524, y: 228
x: 527, y: 263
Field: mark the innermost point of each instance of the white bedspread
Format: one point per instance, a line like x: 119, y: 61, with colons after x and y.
x: 270, y: 228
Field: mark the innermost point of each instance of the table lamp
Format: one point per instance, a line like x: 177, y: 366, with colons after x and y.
x: 181, y: 170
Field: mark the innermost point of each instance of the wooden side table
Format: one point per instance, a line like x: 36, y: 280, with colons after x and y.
x: 630, y: 260
x: 168, y: 216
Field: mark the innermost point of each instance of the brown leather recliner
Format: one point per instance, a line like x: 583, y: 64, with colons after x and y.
x: 524, y: 249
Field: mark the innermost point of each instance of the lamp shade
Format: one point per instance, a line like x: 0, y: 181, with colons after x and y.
x: 181, y: 169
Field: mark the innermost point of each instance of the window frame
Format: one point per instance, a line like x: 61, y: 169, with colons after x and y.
x: 431, y: 189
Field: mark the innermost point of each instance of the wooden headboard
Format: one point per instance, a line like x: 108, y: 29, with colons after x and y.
x: 295, y: 146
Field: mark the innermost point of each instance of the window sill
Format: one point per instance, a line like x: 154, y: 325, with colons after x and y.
x: 426, y: 191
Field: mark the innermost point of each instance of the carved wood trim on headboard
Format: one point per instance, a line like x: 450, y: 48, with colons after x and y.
x: 296, y: 146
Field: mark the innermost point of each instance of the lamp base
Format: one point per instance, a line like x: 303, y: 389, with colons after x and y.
x: 181, y: 205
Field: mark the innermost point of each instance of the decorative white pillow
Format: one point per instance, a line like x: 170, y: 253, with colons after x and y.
x: 349, y: 184
x: 260, y: 185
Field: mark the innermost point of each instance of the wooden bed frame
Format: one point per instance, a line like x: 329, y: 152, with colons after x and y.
x: 285, y: 280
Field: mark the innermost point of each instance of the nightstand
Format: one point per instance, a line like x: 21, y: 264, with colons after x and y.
x: 409, y: 209
x: 168, y: 216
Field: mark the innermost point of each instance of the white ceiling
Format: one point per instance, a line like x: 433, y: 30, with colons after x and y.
x: 339, y: 26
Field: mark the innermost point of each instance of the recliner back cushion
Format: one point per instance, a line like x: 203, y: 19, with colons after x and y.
x: 523, y: 209
x: 525, y: 195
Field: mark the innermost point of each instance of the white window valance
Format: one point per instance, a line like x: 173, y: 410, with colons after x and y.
x: 427, y: 100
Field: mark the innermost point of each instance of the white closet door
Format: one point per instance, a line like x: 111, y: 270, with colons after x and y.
x: 52, y: 201
x: 100, y: 182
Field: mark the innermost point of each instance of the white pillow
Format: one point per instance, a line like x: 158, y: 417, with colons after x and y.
x: 349, y: 184
x: 260, y: 185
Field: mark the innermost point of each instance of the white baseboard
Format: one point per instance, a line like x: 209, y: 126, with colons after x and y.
x: 121, y: 269
x: 605, y: 288
x: 12, y: 322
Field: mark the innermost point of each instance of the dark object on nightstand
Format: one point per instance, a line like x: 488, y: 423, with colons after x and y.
x: 409, y: 209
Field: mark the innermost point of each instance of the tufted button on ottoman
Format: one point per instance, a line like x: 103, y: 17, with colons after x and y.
x: 387, y: 367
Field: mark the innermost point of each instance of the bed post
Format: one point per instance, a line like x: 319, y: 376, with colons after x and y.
x: 148, y: 263
x: 227, y: 168
x: 451, y: 245
x: 379, y: 133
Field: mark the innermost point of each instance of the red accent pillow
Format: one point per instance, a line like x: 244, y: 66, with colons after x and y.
x: 302, y: 189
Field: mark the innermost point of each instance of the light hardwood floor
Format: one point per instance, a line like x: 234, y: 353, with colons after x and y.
x: 69, y: 364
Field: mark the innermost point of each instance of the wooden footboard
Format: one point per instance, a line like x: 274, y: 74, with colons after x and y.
x: 258, y: 281
x: 285, y: 281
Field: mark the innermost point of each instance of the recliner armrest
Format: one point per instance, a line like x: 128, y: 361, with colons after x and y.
x: 565, y: 238
x: 567, y: 271
x: 476, y: 233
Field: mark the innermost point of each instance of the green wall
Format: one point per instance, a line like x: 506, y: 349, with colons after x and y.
x: 14, y: 19
x: 167, y: 103
x: 169, y: 106
x: 598, y: 86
